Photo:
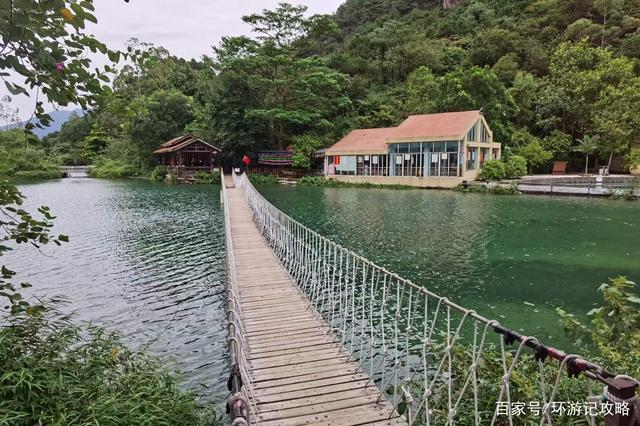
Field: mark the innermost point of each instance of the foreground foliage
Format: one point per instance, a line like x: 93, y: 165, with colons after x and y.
x: 18, y: 226
x: 44, y: 43
x: 54, y: 372
x: 204, y: 178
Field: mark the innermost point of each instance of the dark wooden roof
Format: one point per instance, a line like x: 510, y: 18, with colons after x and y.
x: 181, y: 142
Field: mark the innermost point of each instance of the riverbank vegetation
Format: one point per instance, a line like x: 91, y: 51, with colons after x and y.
x: 334, y: 183
x: 491, y: 188
x: 21, y: 156
x: 545, y: 77
x: 53, y: 371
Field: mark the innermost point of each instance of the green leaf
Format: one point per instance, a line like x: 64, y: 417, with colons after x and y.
x: 634, y: 299
x: 14, y: 89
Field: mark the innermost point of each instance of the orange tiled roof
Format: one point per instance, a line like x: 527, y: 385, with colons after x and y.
x: 367, y: 141
x: 444, y: 125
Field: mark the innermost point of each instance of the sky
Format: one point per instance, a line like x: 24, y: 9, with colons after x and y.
x: 187, y: 28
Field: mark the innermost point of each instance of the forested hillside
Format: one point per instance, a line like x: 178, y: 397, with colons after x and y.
x: 548, y: 74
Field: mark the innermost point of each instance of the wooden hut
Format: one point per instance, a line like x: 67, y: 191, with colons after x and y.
x: 187, y: 155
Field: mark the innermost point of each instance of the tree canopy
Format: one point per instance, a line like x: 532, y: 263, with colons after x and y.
x: 544, y: 72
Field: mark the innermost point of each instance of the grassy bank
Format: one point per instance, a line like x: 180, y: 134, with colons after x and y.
x: 53, y: 371
x: 333, y: 183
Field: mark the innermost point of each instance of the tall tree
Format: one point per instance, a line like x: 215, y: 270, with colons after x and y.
x: 288, y: 94
x: 44, y: 43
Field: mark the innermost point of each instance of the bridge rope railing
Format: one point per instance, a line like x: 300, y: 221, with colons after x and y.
x: 434, y: 360
x: 242, y: 402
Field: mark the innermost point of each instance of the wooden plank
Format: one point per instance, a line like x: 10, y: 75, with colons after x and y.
x: 293, y: 351
x: 319, y: 398
x: 301, y: 373
x: 258, y: 351
x: 265, y: 375
x: 274, y: 344
x: 263, y: 398
x: 322, y: 407
x: 283, y: 387
x: 355, y: 416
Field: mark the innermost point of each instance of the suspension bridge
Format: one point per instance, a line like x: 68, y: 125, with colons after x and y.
x: 321, y: 335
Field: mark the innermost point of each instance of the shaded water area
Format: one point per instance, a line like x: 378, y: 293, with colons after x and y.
x: 511, y: 258
x: 145, y: 259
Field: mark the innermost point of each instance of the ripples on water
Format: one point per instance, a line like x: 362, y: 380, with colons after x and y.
x: 145, y: 259
x: 510, y: 258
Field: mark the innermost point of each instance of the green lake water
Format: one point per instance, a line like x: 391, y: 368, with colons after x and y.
x: 511, y: 258
x: 145, y: 259
x: 148, y: 259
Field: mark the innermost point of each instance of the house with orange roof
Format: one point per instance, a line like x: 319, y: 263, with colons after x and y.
x: 431, y: 150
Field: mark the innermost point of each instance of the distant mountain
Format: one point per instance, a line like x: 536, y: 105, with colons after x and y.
x: 58, y: 119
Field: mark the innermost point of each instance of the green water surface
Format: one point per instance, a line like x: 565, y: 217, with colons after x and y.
x: 511, y: 258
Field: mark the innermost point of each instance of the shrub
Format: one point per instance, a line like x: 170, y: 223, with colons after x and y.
x: 55, y: 372
x: 39, y: 174
x: 632, y: 160
x: 493, y: 170
x: 159, y: 173
x: 511, y: 189
x: 535, y: 154
x: 205, y: 178
x: 613, y: 329
x: 333, y: 183
x: 263, y: 179
x: 108, y: 169
x: 313, y: 181
x: 515, y: 167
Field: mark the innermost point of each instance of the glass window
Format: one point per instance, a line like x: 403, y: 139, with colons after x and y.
x: 439, y: 146
x: 403, y: 147
x: 471, y: 158
x: 452, y: 146
x: 471, y: 136
x: 485, y: 134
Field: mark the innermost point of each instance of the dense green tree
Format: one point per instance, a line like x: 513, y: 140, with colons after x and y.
x: 559, y: 144
x: 282, y: 92
x: 479, y: 88
x: 534, y: 153
x: 158, y: 118
x: 69, y: 142
x: 423, y: 92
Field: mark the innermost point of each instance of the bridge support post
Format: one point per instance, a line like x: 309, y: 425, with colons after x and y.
x: 622, y: 390
x: 237, y: 405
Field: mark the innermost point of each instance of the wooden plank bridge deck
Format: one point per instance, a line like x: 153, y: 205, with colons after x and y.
x: 301, y: 375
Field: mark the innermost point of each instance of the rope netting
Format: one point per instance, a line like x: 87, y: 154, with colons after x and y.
x: 240, y: 382
x: 434, y: 360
